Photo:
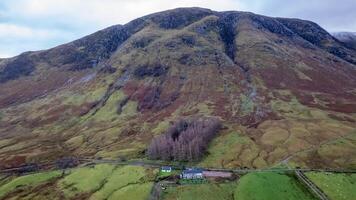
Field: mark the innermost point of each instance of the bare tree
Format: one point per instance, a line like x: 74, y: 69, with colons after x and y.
x: 185, y: 140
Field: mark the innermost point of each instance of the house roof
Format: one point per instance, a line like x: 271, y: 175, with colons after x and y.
x: 166, y: 168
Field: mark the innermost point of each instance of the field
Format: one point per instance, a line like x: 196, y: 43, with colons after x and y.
x: 270, y: 186
x: 96, y: 182
x: 253, y: 186
x: 201, y: 192
x: 162, y: 175
x: 335, y: 186
x: 110, y: 182
x: 27, y: 182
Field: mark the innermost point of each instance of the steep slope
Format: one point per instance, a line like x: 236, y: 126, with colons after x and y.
x: 348, y: 38
x: 284, y: 89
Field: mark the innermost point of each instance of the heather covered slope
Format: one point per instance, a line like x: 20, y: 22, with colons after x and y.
x: 284, y: 90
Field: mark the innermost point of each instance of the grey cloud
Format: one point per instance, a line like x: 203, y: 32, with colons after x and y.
x: 333, y: 15
x: 78, y: 19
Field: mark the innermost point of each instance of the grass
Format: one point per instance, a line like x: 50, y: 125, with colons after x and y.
x: 224, y: 150
x: 103, y: 181
x: 87, y: 179
x: 162, y: 175
x: 274, y: 136
x: 120, y: 178
x: 247, y: 104
x: 3, y: 180
x: 222, y: 191
x: 130, y: 192
x: 107, y: 181
x: 91, y: 95
x: 292, y: 108
x: 161, y: 127
x: 270, y: 186
x: 75, y: 141
x: 335, y: 186
x: 5, y: 142
x: 31, y: 180
x: 108, y: 112
x: 222, y: 147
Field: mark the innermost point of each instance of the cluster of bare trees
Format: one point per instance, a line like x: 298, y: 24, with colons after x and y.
x: 185, y: 140
x: 66, y: 162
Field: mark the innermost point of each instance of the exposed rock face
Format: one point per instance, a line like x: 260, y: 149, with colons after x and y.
x: 284, y: 86
x: 348, y: 38
x: 17, y: 67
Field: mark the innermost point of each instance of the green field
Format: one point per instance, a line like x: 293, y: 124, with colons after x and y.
x: 97, y: 182
x: 122, y: 179
x: 335, y: 186
x: 27, y: 181
x: 131, y: 192
x: 84, y: 180
x: 108, y: 181
x: 162, y: 175
x: 111, y: 182
x: 211, y: 191
x: 270, y: 186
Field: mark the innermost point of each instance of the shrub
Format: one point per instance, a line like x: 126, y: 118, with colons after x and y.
x: 67, y: 162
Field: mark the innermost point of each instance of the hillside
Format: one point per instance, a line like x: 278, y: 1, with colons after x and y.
x: 284, y: 90
x: 348, y: 38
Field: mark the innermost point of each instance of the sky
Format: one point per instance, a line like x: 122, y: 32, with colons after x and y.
x: 28, y: 25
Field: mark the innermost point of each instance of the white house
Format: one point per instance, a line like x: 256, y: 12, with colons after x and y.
x: 166, y: 169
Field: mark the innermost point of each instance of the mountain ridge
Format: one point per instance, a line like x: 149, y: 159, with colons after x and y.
x: 348, y: 38
x: 282, y: 86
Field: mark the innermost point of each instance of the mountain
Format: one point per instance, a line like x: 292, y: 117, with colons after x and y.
x: 284, y: 90
x: 348, y: 38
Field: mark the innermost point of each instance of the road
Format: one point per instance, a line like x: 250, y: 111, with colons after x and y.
x: 304, y: 179
x: 144, y: 163
x: 242, y: 171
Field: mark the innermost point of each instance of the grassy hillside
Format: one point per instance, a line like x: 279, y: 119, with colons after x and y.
x: 270, y: 186
x: 27, y: 182
x: 106, y: 181
x: 335, y: 186
x: 223, y: 191
x: 284, y: 89
x: 98, y: 182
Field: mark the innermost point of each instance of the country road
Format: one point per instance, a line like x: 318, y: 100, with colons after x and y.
x: 157, y: 165
x: 314, y: 189
x: 89, y: 161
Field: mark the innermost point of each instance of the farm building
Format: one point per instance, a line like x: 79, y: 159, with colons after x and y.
x: 215, y: 174
x: 166, y: 169
x: 192, y: 174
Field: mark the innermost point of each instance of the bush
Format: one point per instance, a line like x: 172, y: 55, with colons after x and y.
x: 67, y: 162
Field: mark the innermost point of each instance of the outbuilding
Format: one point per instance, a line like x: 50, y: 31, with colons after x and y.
x: 192, y: 174
x: 166, y: 169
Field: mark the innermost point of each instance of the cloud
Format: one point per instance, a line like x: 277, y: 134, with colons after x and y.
x: 53, y: 22
x: 16, y: 39
x: 39, y: 24
x: 333, y: 15
x: 100, y: 12
x: 22, y: 32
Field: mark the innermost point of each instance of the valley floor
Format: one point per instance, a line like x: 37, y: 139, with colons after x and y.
x: 138, y: 181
